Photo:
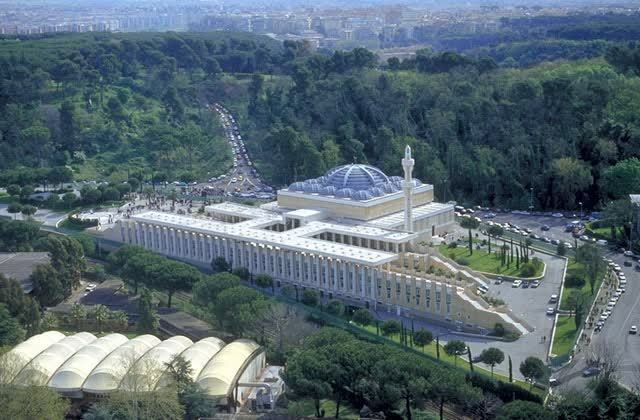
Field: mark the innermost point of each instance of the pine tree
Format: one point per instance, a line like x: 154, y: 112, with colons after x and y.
x: 510, y: 370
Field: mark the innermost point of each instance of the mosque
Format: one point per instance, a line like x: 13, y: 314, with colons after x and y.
x: 354, y: 234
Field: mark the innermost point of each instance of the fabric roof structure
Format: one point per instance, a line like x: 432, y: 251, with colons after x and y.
x: 72, y: 374
x: 198, y: 355
x: 146, y: 372
x: 17, y: 358
x: 217, y: 377
x: 44, y: 365
x: 106, y: 377
x: 83, y: 364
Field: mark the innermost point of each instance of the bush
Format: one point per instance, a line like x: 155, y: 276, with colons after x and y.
x: 505, y: 391
x: 288, y: 291
x: 574, y: 281
x: 527, y: 270
x: 335, y: 307
x: 452, y: 245
x: 362, y: 317
x: 310, y: 297
x: 242, y: 272
x: 463, y: 261
x: 390, y: 327
x: 498, y: 330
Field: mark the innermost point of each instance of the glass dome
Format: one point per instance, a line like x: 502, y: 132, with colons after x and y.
x: 357, y: 177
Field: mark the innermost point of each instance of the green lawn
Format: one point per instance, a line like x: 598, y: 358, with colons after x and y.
x: 482, y: 261
x: 576, y: 269
x: 565, y: 335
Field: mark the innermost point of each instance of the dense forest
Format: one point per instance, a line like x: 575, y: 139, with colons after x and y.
x: 116, y: 106
x: 481, y: 134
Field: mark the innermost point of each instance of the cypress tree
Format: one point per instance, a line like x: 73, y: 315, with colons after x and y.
x: 438, y: 347
x: 510, y: 370
x: 470, y: 359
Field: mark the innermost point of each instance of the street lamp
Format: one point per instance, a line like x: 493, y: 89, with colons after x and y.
x: 531, y: 199
x: 444, y: 186
x: 580, y: 202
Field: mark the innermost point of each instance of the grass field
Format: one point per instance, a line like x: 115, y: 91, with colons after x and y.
x: 482, y: 261
x: 565, y: 335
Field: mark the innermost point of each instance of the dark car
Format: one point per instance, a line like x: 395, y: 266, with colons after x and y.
x: 591, y: 371
x: 637, y: 267
x: 498, y: 280
x: 627, y: 263
x: 525, y: 284
x: 544, y: 227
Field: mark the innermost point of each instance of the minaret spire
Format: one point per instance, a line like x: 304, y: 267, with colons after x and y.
x: 407, y: 186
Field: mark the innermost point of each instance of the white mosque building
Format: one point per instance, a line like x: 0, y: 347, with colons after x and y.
x: 351, y: 234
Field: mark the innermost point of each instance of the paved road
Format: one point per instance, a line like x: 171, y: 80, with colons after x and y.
x: 615, y: 334
x: 46, y: 216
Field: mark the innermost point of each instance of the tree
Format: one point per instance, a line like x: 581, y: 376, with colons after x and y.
x: 121, y: 319
x: 32, y: 402
x: 242, y: 272
x: 492, y: 357
x: 390, y: 327
x: 422, y: 337
x: 335, y: 307
x: 147, y: 319
x: 569, y: 177
x: 264, y: 280
x: 561, y: 249
x: 69, y: 199
x: 310, y: 297
x: 236, y: 307
x: 29, y: 211
x: 47, y: 287
x: 14, y: 208
x: 510, y: 370
x: 11, y: 333
x: 307, y: 372
x: 219, y: 265
x: 532, y: 369
x: 101, y: 313
x: 524, y: 410
x: 172, y: 276
x: 49, y: 321
x: 591, y: 258
x: 495, y: 231
x: 206, y: 291
x: 362, y: 317
x: 455, y: 348
x: 78, y: 314
x: 623, y: 178
x: 469, y: 223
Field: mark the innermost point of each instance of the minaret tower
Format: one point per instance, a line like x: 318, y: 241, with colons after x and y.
x: 407, y: 186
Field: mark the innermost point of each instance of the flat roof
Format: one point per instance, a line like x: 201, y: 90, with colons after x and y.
x: 251, y: 231
x: 420, y: 212
x: 233, y: 209
x: 635, y: 198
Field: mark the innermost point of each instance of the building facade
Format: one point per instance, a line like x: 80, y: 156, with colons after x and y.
x: 347, y: 234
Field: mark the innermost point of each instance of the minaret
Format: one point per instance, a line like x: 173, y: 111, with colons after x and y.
x: 407, y: 186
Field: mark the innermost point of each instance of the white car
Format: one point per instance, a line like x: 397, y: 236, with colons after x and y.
x: 516, y: 283
x: 551, y: 311
x: 633, y: 330
x: 628, y: 254
x: 233, y: 180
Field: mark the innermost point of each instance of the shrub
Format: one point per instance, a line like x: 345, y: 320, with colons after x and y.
x: 390, y: 327
x: 242, y: 272
x: 310, y: 297
x: 498, y: 330
x: 527, y: 270
x: 335, y: 307
x: 574, y: 281
x: 288, y: 291
x: 452, y: 245
x: 362, y: 317
x: 505, y: 391
x: 462, y: 261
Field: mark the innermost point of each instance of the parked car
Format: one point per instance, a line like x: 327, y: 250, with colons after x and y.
x: 627, y: 263
x: 525, y: 284
x: 601, y: 242
x: 516, y: 283
x: 498, y: 280
x: 551, y: 311
x: 553, y: 299
x: 591, y: 371
x: 535, y: 283
x: 633, y: 330
x: 545, y: 227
